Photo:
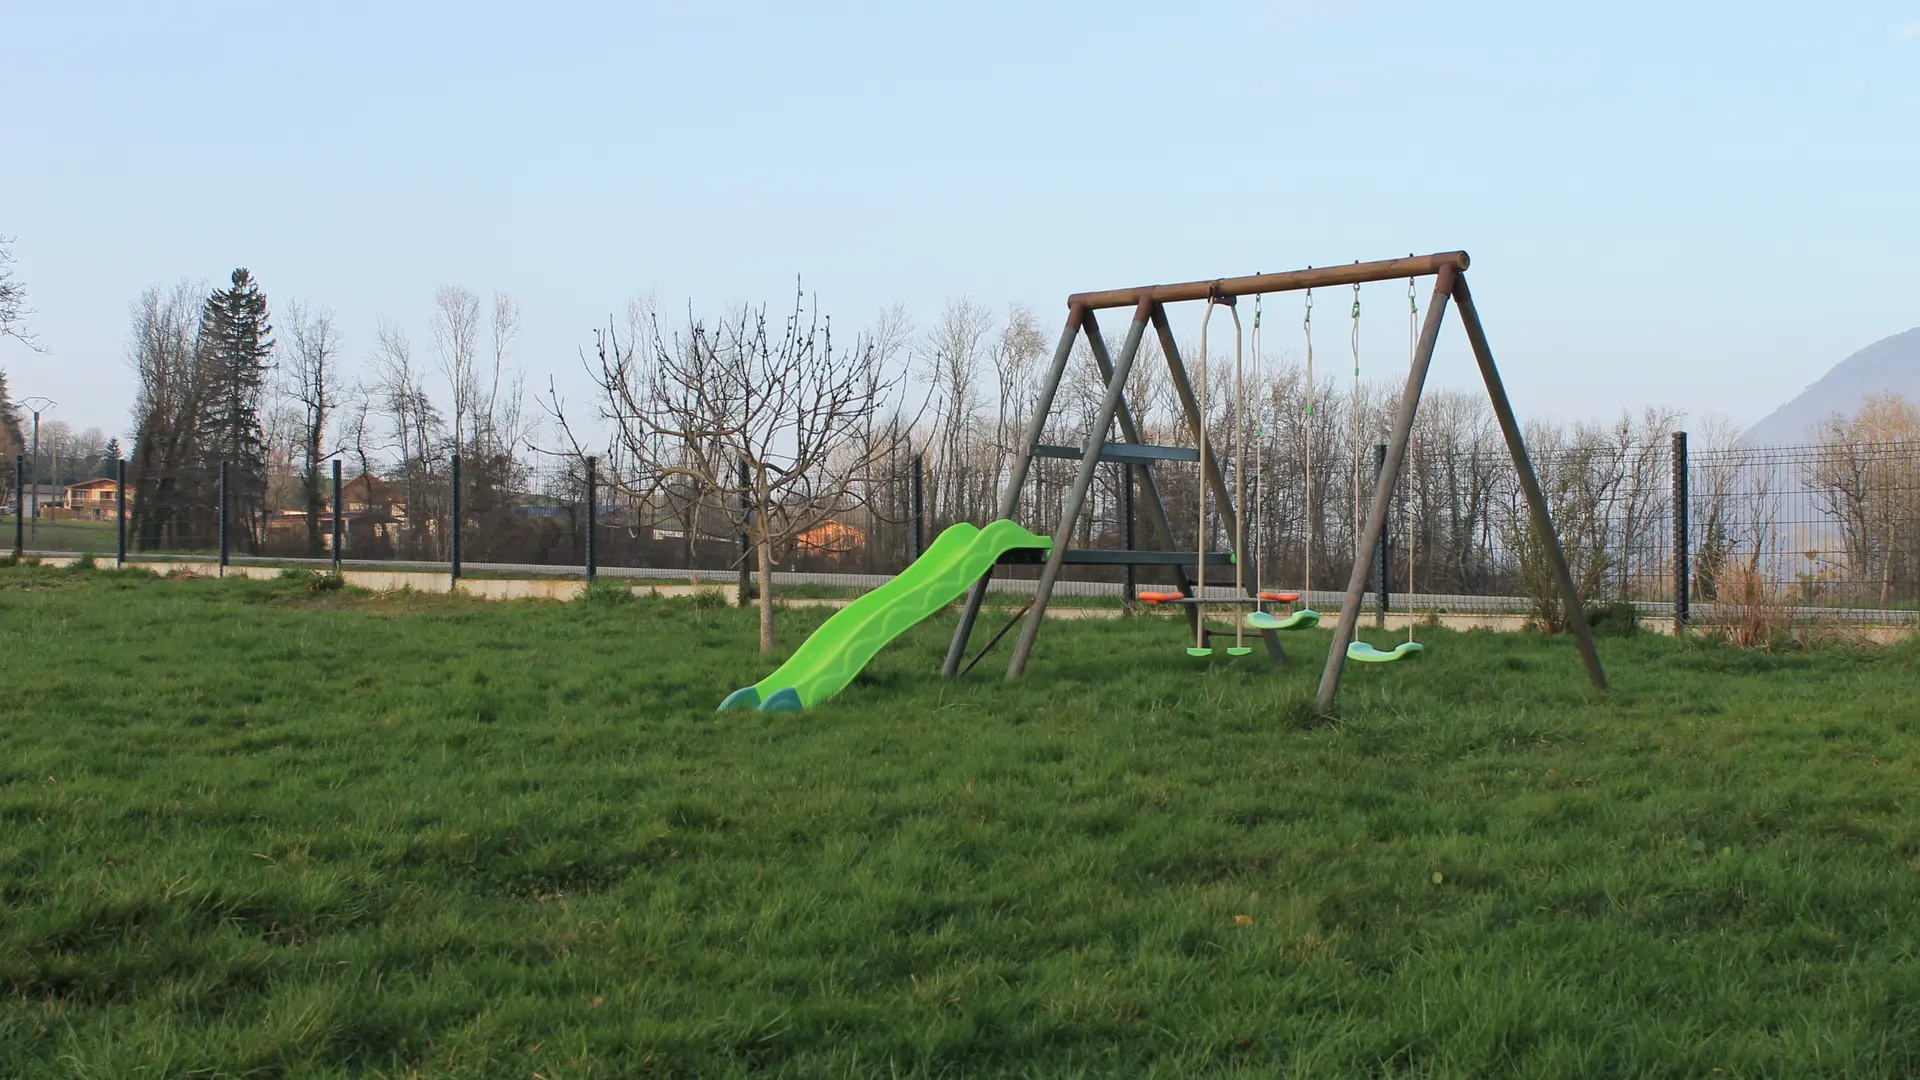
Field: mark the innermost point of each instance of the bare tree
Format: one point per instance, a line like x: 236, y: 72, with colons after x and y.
x: 13, y: 301
x: 309, y: 374
x: 1865, y: 479
x: 782, y: 400
x: 951, y: 357
x: 456, y: 352
x: 416, y: 431
x: 170, y: 506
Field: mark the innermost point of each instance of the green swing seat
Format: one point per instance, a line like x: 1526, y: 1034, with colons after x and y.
x: 1367, y: 654
x: 1294, y: 620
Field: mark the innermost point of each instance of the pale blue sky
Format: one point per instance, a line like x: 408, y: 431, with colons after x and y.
x: 1700, y: 204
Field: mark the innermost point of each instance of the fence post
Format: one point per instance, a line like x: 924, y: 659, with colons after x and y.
x: 453, y: 527
x: 19, y: 506
x: 223, y: 519
x: 1385, y: 544
x: 1682, y: 585
x: 593, y: 515
x: 120, y: 512
x: 336, y: 517
x: 919, y: 505
x: 1130, y: 590
x: 746, y: 548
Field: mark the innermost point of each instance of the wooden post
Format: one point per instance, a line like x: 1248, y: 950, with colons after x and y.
x: 1529, y: 483
x: 1010, y: 499
x: 1153, y: 506
x: 1216, y: 481
x: 1070, y: 511
x: 1383, y: 491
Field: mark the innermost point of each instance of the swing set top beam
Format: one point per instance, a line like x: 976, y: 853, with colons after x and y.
x: 1319, y: 277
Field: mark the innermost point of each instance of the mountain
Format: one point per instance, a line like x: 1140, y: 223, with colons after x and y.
x: 1890, y: 365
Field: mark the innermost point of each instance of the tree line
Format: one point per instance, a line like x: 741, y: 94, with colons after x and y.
x: 768, y: 422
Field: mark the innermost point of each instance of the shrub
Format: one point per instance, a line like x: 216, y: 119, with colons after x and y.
x: 1620, y: 618
x: 604, y: 592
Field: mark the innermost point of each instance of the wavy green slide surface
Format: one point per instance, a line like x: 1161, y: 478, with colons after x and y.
x: 828, y: 660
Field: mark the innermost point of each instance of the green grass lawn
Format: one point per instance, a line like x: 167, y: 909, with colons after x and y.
x: 252, y: 830
x: 99, y: 537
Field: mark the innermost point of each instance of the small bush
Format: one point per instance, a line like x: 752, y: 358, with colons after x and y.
x: 314, y: 581
x: 715, y: 598
x: 603, y: 592
x: 85, y: 562
x: 1617, y: 619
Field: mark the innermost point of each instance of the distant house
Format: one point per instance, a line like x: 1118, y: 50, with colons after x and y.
x: 373, y: 510
x: 368, y: 493
x: 94, y: 500
x: 831, y: 538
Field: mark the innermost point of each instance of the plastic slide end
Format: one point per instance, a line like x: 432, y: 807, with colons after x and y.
x: 785, y: 699
x: 744, y: 698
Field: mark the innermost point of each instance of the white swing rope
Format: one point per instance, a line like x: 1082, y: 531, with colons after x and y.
x: 1306, y: 324
x: 1239, y: 475
x: 1200, y: 525
x: 1258, y: 520
x: 1358, y: 522
x: 1413, y: 318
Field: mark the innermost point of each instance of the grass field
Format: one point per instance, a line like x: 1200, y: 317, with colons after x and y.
x: 248, y: 829
x: 99, y: 537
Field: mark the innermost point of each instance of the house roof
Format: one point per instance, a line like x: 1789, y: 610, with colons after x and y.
x: 103, y: 481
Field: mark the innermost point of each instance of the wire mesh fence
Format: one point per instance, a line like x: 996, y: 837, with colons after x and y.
x: 1780, y: 534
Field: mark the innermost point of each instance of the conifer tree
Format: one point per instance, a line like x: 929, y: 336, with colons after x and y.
x: 236, y: 347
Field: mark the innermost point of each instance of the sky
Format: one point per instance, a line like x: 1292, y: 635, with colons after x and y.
x: 1698, y: 205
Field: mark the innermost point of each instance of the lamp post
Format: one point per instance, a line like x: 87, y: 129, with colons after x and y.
x: 35, y: 405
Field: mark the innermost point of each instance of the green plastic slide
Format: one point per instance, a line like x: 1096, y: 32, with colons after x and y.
x: 828, y: 660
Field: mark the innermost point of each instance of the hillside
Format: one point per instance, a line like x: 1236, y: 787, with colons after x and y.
x: 1890, y: 364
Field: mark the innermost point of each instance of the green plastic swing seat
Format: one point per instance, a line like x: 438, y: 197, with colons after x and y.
x: 1295, y: 620
x: 1367, y: 654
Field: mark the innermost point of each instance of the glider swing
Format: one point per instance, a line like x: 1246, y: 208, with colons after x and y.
x: 1300, y: 618
x: 1357, y: 649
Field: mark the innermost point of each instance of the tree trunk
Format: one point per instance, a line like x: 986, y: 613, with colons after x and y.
x: 765, y: 552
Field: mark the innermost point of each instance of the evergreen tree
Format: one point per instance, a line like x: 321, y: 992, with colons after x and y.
x: 10, y: 434
x: 108, y: 457
x: 11, y: 441
x: 236, y: 347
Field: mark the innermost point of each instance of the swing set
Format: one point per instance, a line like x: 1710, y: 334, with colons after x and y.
x: 1189, y: 568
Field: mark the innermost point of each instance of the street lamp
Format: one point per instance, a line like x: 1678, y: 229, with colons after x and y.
x: 35, y: 405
